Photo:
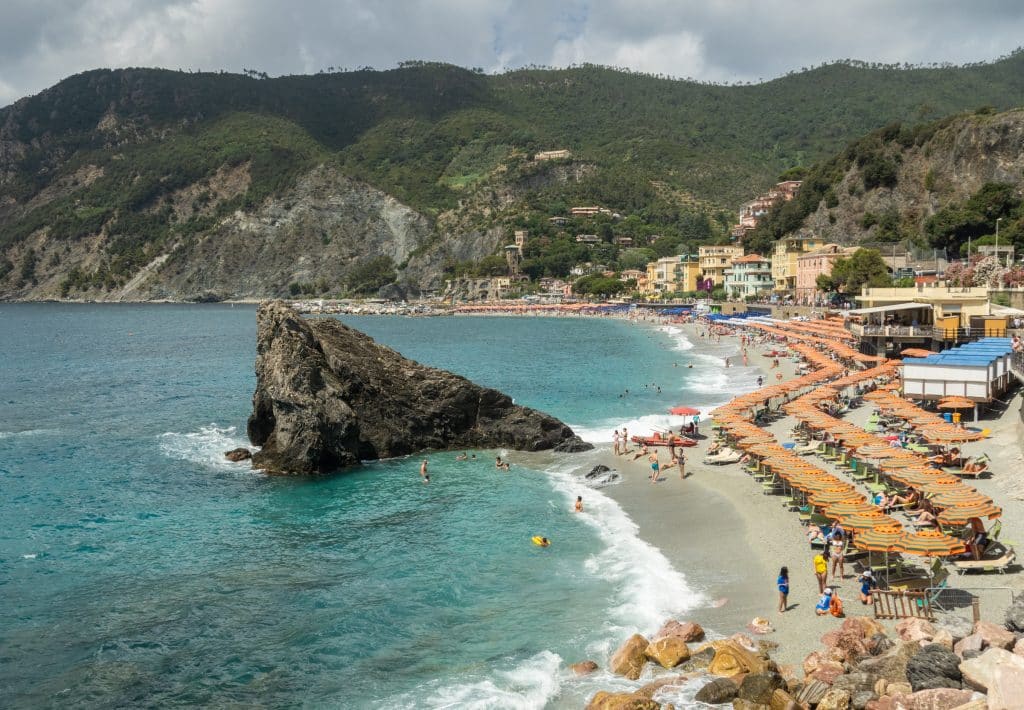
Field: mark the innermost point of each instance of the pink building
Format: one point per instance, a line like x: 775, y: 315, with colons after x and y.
x: 811, y: 265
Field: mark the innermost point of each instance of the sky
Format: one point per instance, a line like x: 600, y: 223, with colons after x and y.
x: 723, y: 41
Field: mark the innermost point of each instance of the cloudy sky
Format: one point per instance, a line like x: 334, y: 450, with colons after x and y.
x: 43, y: 41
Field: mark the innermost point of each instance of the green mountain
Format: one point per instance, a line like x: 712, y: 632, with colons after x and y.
x: 145, y: 184
x: 937, y: 188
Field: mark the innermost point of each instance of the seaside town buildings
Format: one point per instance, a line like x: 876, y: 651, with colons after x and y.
x: 812, y: 264
x: 715, y: 259
x: 749, y: 277
x: 752, y: 212
x: 784, y: 260
x: 927, y: 315
x: 671, y: 274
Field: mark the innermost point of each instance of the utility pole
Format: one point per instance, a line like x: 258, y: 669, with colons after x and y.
x: 998, y: 220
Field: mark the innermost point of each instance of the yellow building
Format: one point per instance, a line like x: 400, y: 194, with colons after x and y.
x: 714, y: 260
x: 784, y: 259
x: 943, y: 302
x: 672, y: 274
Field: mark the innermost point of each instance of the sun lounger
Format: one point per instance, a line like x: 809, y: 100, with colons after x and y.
x: 974, y: 474
x: 724, y: 456
x: 996, y: 558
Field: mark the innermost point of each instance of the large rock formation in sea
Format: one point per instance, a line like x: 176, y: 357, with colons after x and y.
x: 328, y: 396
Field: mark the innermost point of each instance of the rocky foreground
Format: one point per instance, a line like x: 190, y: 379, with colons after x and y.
x: 952, y: 664
x: 328, y: 396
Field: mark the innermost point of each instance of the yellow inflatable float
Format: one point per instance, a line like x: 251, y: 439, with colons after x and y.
x: 540, y: 541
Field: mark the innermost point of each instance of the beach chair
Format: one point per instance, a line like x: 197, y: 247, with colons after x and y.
x: 997, y: 557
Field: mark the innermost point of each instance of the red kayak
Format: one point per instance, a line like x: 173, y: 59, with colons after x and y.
x: 659, y: 440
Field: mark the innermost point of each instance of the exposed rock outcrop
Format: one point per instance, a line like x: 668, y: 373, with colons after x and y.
x: 328, y: 396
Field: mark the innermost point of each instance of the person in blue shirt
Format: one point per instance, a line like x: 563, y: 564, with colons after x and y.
x: 867, y: 583
x: 825, y: 603
x: 783, y: 583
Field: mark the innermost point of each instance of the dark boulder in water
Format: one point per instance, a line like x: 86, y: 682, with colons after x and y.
x: 328, y: 396
x: 239, y: 454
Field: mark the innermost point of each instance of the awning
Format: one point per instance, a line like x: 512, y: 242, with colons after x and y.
x: 1006, y: 311
x: 885, y: 309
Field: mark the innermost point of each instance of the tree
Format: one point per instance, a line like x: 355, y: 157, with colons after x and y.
x: 864, y: 268
x: 371, y: 275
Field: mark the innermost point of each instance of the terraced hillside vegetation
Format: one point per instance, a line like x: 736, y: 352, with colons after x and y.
x: 147, y: 184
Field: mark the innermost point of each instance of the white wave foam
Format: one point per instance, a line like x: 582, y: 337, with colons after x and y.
x: 530, y: 684
x: 205, y: 447
x: 649, y: 588
x: 680, y: 341
x: 26, y: 432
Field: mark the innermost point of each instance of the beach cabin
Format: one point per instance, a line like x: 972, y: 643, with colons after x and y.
x: 979, y: 371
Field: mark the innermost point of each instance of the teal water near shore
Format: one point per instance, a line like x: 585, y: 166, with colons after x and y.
x: 140, y: 567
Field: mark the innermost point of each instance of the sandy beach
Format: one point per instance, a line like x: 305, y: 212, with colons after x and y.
x: 732, y: 543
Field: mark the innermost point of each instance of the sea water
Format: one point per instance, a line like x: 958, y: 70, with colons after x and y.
x: 138, y: 566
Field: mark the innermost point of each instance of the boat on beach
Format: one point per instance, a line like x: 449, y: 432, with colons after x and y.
x: 657, y: 439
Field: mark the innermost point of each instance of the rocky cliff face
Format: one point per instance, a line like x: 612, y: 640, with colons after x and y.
x: 328, y: 396
x: 312, y: 234
x: 949, y: 167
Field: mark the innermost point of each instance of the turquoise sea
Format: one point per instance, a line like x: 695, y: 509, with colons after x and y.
x: 139, y: 568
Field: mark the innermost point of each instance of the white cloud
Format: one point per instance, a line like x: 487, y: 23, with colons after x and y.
x: 43, y: 41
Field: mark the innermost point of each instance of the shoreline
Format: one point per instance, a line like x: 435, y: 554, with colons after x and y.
x: 729, y: 547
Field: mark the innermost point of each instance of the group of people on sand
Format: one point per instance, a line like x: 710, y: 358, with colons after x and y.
x: 834, y: 551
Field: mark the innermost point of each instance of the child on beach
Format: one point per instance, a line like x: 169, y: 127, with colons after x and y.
x: 825, y: 603
x: 783, y: 584
x: 821, y: 571
x: 867, y: 583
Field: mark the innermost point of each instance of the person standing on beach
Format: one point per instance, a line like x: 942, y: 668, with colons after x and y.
x: 655, y: 467
x: 783, y: 584
x: 625, y: 440
x: 837, y: 547
x: 682, y: 464
x: 821, y: 571
x: 615, y: 442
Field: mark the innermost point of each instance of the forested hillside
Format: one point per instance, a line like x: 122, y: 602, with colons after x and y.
x: 938, y: 186
x: 113, y: 183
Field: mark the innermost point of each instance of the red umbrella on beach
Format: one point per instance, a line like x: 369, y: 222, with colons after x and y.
x: 684, y: 411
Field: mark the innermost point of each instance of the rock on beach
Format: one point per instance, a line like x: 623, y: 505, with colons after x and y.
x: 328, y: 396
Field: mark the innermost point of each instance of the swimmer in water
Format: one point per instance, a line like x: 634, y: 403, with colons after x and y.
x: 579, y: 504
x: 423, y: 472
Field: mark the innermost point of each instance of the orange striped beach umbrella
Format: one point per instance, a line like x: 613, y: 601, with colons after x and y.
x: 946, y: 486
x: 960, y: 497
x: 885, y: 538
x: 958, y: 515
x: 930, y: 543
x: 867, y: 521
x: 838, y: 510
x: 823, y: 499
